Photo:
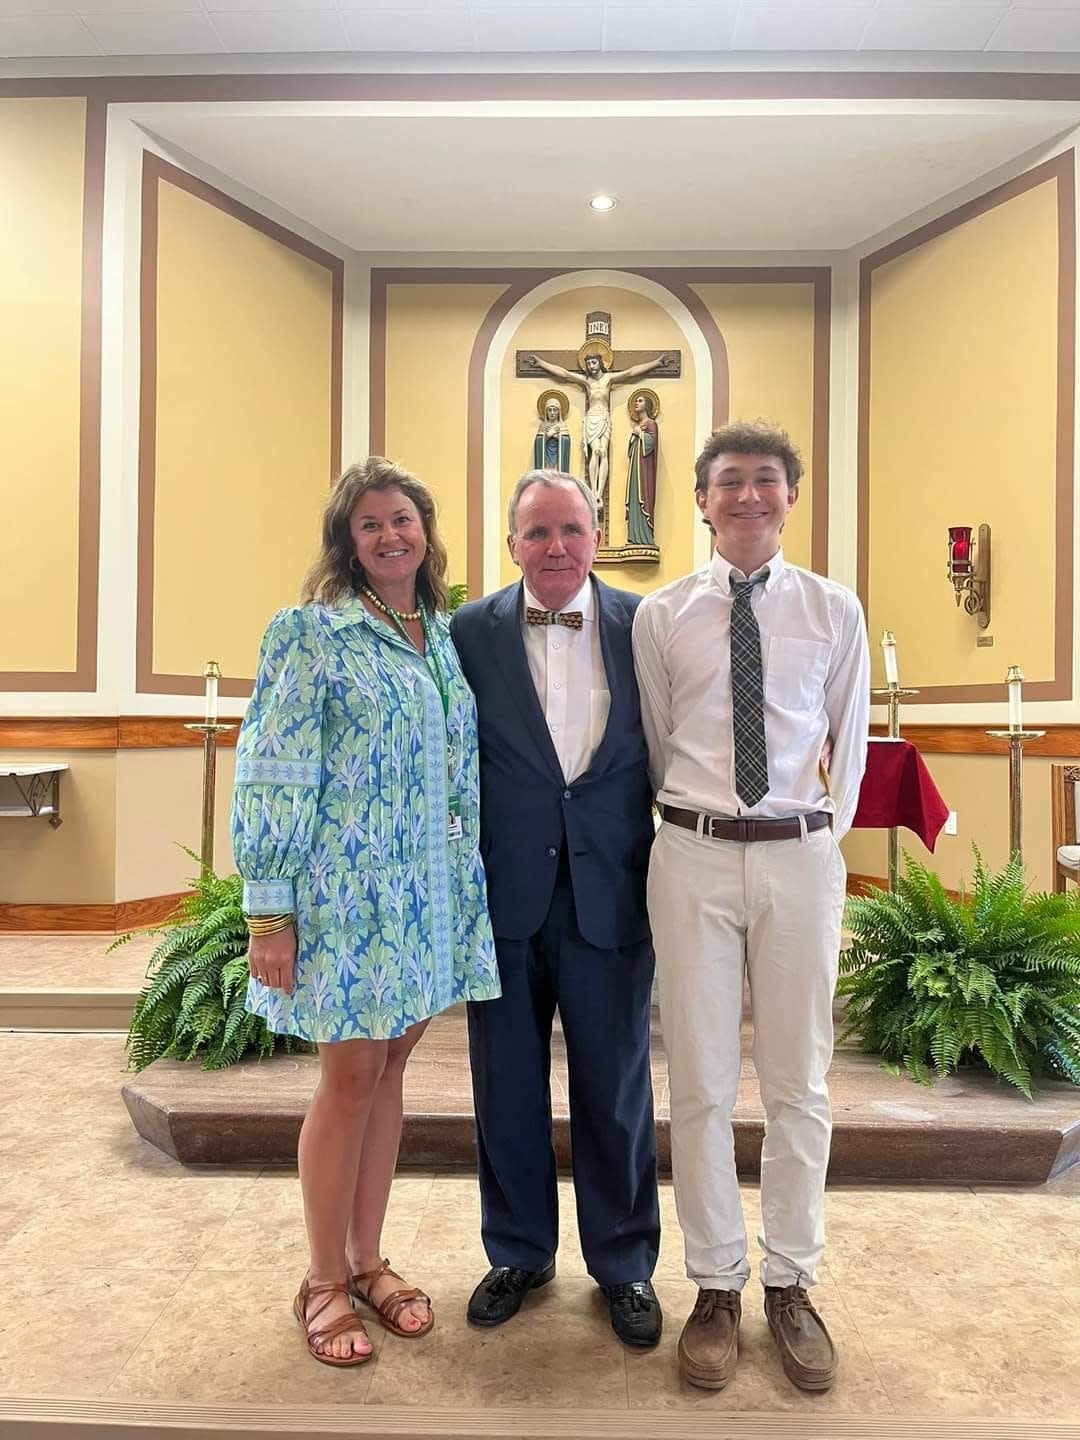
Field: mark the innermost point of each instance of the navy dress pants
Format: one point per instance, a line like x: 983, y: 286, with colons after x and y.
x: 604, y: 1002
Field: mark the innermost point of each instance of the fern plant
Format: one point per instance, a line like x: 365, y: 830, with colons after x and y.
x: 192, y: 1007
x: 991, y: 978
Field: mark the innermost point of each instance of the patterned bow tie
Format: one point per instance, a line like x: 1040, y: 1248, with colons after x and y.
x: 572, y: 619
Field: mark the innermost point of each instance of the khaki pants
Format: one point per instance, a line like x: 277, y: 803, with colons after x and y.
x: 773, y: 910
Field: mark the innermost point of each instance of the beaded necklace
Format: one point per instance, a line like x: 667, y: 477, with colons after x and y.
x: 387, y: 609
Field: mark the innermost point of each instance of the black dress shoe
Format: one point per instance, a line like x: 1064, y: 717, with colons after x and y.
x: 636, y: 1316
x: 499, y: 1295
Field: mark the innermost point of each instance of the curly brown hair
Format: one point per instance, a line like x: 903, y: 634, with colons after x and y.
x: 749, y: 437
x: 337, y: 572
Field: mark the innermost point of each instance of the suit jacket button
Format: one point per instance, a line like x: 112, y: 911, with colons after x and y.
x: 567, y: 794
x: 552, y: 851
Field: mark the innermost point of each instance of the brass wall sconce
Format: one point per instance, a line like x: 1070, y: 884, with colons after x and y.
x: 969, y: 570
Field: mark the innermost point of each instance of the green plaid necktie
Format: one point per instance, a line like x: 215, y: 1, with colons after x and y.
x: 747, y: 695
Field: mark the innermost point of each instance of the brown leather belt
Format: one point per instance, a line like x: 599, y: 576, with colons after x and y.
x: 745, y: 828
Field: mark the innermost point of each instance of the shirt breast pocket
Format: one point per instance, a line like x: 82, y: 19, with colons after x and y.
x: 795, y: 673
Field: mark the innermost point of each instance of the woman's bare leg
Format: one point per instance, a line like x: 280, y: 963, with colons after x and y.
x: 331, y: 1142
x: 378, y: 1161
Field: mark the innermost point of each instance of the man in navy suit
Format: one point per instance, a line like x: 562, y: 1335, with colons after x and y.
x: 565, y: 832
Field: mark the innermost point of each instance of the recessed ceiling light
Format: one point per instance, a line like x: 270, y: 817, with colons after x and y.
x: 603, y: 202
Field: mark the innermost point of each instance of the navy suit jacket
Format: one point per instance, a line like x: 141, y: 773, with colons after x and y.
x: 527, y: 811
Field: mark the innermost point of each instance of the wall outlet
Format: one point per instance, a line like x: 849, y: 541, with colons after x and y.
x: 950, y: 823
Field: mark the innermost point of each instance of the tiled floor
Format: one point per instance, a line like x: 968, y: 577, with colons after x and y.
x: 128, y: 1277
x: 76, y: 962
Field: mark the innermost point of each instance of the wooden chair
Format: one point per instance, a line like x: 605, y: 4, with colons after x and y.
x: 1066, y: 859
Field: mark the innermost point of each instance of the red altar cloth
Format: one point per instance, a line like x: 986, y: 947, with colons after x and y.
x: 897, y: 789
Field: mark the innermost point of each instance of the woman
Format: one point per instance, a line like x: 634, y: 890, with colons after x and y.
x: 641, y: 478
x: 355, y: 829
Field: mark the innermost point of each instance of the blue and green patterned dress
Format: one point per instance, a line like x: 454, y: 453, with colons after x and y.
x: 340, y: 812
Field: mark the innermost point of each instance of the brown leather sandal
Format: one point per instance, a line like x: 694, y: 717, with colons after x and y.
x: 394, y: 1303
x: 333, y: 1328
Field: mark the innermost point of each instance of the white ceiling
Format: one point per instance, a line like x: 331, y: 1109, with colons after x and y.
x: 38, y: 28
x: 506, y: 182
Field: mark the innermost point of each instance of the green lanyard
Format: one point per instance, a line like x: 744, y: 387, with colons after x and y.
x: 435, y: 666
x: 435, y: 670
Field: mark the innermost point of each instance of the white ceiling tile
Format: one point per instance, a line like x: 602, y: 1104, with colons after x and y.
x: 800, y: 26
x: 1046, y: 4
x: 1042, y: 29
x: 378, y: 7
x: 29, y: 35
x: 216, y: 7
x: 187, y: 33
x: 278, y: 31
x: 550, y: 28
x: 76, y: 8
x: 672, y: 28
x: 900, y: 25
x: 408, y: 30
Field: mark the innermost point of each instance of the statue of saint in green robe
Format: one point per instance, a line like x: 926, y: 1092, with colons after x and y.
x: 641, y: 480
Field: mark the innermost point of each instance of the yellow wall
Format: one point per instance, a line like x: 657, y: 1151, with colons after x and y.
x: 430, y: 331
x: 41, y: 199
x: 977, y: 788
x: 76, y: 863
x: 243, y: 432
x: 126, y: 813
x: 963, y: 384
x: 637, y: 324
x: 158, y: 809
x: 769, y: 333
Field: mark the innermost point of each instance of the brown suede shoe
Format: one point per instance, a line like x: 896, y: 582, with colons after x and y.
x: 806, y: 1348
x: 709, y: 1343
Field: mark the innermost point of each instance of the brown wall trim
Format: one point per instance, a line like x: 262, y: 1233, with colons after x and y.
x: 1060, y: 741
x: 168, y: 732
x: 155, y: 170
x: 862, y: 885
x: 91, y: 919
x: 104, y: 732
x: 84, y: 677
x: 1062, y: 170
x: 519, y: 287
x: 698, y: 85
x: 520, y: 281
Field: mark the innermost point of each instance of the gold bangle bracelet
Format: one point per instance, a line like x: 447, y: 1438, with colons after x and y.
x: 270, y: 925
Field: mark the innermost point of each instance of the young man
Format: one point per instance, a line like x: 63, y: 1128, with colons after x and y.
x: 565, y: 831
x: 750, y: 670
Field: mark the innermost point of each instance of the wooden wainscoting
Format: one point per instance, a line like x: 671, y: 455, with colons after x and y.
x: 168, y: 732
x: 91, y: 919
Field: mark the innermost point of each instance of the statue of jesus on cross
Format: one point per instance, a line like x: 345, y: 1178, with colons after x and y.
x: 597, y: 384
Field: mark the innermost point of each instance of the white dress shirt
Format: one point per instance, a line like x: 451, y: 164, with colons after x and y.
x: 816, y: 668
x: 567, y: 668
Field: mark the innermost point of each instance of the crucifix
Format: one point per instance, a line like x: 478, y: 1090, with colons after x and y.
x: 596, y: 369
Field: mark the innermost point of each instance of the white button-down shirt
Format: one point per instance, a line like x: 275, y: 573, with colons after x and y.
x: 816, y: 668
x: 567, y: 668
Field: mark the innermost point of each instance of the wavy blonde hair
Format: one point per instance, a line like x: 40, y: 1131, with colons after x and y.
x: 337, y: 571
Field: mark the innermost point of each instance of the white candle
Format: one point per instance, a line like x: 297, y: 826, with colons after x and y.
x: 1015, y: 681
x: 888, y: 650
x: 212, y: 672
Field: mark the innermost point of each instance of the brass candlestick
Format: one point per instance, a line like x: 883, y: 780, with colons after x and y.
x: 210, y: 731
x: 1017, y: 739
x: 893, y: 695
